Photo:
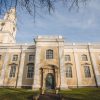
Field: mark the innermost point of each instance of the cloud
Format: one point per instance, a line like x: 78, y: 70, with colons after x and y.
x: 86, y: 21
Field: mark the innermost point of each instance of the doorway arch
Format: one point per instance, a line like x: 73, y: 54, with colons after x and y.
x: 50, y: 81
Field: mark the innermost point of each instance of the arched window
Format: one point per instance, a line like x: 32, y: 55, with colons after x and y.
x: 12, y: 70
x: 30, y: 71
x: 87, y: 71
x: 49, y: 54
x: 84, y: 58
x: 69, y: 71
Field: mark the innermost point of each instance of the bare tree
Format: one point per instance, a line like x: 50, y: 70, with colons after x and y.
x: 31, y: 6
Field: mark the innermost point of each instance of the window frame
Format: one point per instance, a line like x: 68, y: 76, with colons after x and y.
x: 13, y: 73
x: 49, y: 54
x: 15, y: 57
x: 87, y: 71
x: 84, y: 57
x: 32, y: 58
x: 30, y: 72
x: 69, y: 73
x: 67, y: 57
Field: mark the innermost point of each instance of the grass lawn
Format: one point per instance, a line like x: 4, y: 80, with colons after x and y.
x: 74, y: 94
x: 16, y: 94
x: 81, y: 94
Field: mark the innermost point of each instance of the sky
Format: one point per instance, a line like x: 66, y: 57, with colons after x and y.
x: 81, y: 25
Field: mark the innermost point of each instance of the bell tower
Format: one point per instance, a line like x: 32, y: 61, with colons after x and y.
x: 8, y: 27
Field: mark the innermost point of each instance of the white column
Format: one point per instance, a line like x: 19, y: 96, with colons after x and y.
x: 36, y: 80
x: 78, y: 70
x: 96, y: 71
x: 3, y: 72
x: 63, y: 84
x: 21, y: 68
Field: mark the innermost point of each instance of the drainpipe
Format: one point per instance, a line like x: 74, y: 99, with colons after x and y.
x: 92, y: 65
x: 18, y: 67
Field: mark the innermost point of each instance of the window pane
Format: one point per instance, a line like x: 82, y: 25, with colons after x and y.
x: 84, y: 58
x: 31, y: 57
x: 15, y: 57
x: 67, y: 58
x: 30, y: 71
x: 12, y: 71
x: 49, y: 54
x: 87, y: 71
x: 69, y: 71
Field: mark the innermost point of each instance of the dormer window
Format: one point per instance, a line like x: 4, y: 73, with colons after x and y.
x: 49, y: 54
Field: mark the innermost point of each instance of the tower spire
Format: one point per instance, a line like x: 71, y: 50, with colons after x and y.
x: 8, y: 26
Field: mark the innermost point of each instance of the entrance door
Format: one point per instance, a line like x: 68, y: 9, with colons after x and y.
x: 50, y: 81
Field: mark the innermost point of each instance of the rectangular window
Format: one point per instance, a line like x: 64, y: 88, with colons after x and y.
x: 12, y: 71
x: 15, y: 58
x: 84, y: 58
x: 31, y: 57
x: 67, y: 58
x: 49, y: 54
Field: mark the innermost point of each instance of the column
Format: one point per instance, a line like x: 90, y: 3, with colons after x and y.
x: 63, y: 84
x: 36, y: 83
x: 3, y: 72
x: 96, y: 71
x: 78, y: 70
x: 21, y: 68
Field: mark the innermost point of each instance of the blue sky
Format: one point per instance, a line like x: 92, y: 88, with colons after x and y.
x: 74, y: 26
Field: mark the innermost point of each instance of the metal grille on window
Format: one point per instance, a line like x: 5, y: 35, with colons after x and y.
x: 87, y: 71
x: 49, y: 54
x: 12, y: 71
x: 30, y: 71
x: 69, y: 71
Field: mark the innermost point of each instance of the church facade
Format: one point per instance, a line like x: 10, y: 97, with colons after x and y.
x: 48, y: 63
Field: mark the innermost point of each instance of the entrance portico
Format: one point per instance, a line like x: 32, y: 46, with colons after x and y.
x: 49, y: 77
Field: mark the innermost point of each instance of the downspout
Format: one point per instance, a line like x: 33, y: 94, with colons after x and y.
x: 92, y: 65
x: 18, y: 67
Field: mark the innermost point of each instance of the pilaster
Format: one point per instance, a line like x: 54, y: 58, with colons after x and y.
x: 21, y: 68
x: 78, y: 70
x: 3, y: 72
x: 63, y: 84
x: 36, y: 83
x: 96, y: 71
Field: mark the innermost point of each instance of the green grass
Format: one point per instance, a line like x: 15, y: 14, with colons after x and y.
x: 74, y: 94
x: 16, y: 94
x: 81, y: 94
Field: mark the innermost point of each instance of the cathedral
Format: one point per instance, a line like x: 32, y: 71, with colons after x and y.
x: 48, y: 63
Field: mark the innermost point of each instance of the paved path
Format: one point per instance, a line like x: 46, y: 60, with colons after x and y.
x: 49, y: 97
